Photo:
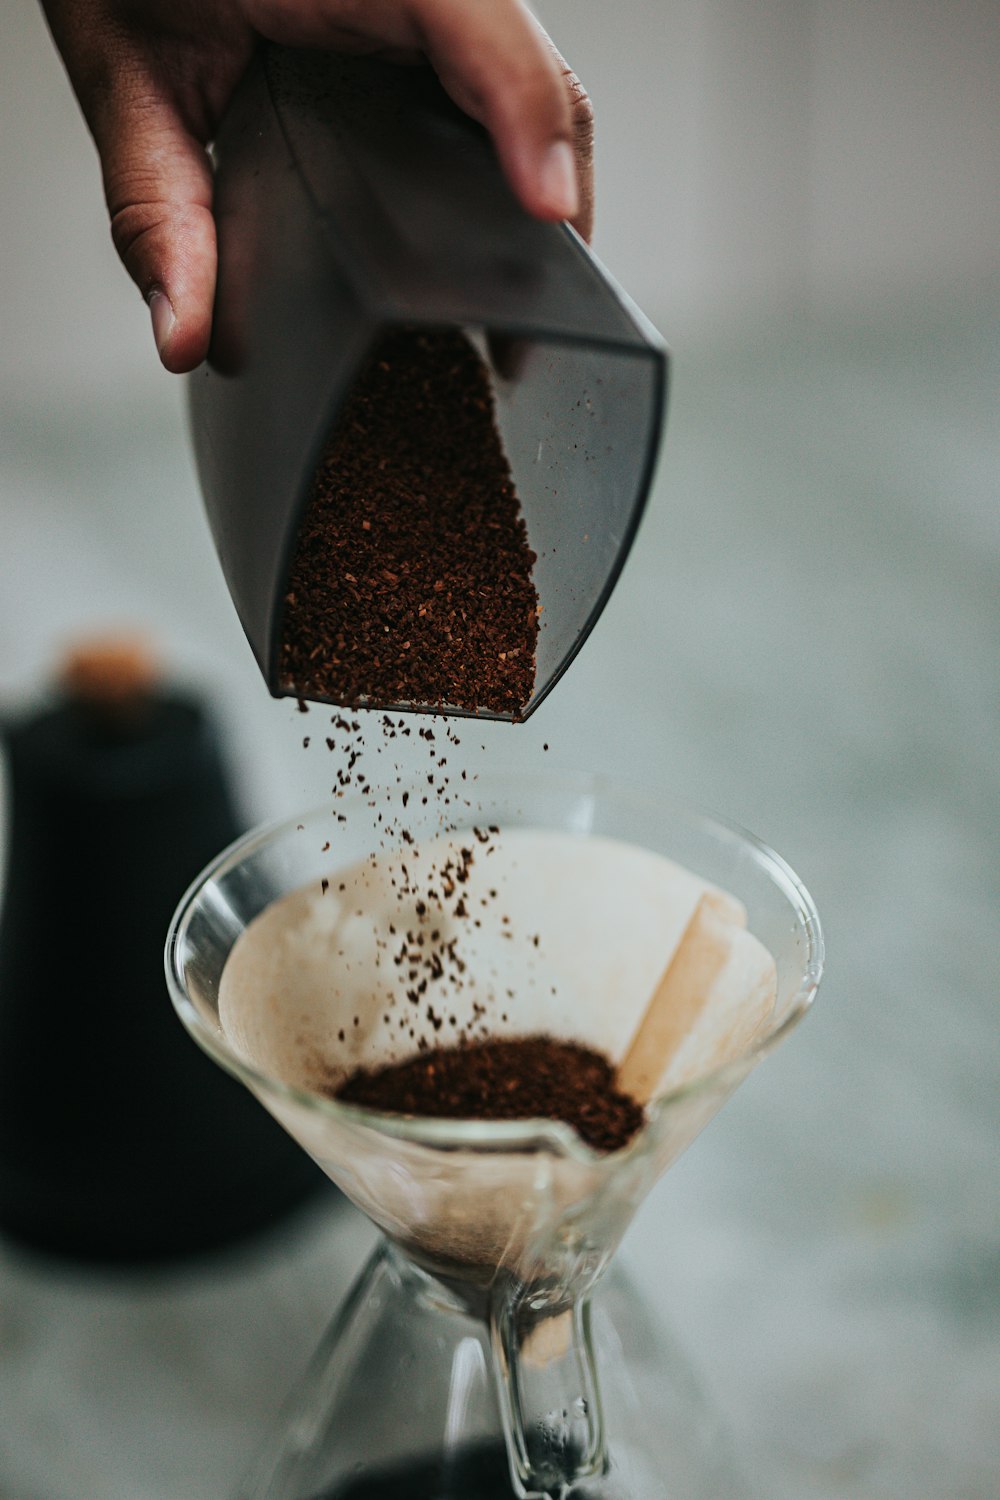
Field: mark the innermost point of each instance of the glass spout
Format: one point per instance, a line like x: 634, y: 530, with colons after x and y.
x: 547, y: 1389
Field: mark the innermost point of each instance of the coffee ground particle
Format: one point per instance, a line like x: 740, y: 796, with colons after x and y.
x: 520, y: 1078
x: 411, y: 578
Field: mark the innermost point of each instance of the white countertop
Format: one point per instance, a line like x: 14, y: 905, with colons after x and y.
x: 807, y: 639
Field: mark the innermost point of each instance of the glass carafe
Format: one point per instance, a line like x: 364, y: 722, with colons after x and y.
x: 482, y: 1351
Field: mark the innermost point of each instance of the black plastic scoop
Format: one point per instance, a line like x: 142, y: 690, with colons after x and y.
x: 353, y: 199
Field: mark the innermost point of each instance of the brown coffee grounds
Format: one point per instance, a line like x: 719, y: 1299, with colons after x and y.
x: 411, y: 578
x: 521, y: 1078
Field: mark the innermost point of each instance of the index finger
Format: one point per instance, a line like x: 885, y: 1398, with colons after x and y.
x: 500, y: 66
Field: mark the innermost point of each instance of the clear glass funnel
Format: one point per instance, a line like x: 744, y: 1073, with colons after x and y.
x: 475, y: 1341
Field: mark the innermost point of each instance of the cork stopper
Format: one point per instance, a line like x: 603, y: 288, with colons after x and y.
x: 113, y: 677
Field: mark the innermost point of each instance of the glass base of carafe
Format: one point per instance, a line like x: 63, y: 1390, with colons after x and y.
x: 401, y: 1402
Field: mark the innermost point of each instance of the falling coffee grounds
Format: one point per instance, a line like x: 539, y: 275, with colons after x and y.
x: 411, y: 579
x: 520, y: 1078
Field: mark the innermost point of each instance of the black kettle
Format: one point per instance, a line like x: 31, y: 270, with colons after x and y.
x: 119, y: 1140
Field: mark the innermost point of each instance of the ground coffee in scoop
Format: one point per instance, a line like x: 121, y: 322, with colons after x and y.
x: 411, y: 578
x: 519, y: 1078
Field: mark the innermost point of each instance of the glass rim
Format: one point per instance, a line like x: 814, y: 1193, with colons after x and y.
x: 498, y: 1135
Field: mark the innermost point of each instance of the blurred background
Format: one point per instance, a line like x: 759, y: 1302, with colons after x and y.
x: 803, y: 196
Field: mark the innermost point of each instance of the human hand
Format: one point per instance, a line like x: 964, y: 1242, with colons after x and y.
x: 154, y: 77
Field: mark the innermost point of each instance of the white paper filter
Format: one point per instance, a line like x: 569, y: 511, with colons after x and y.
x: 561, y: 934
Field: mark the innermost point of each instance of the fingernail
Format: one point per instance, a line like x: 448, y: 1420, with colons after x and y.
x: 557, y: 178
x: 163, y: 319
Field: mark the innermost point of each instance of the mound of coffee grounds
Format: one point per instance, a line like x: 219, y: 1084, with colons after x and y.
x: 521, y: 1078
x: 411, y: 580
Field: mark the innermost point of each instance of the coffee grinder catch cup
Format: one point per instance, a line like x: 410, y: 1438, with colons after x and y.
x: 353, y: 199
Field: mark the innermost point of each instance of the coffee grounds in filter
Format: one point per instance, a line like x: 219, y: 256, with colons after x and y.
x: 516, y: 1078
x: 411, y: 578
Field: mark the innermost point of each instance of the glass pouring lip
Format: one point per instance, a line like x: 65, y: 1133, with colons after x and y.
x: 498, y: 1135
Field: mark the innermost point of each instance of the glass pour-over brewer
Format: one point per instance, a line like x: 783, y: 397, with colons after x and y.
x: 482, y: 1354
x: 353, y: 199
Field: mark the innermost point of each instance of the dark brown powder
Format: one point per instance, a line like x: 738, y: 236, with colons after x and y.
x: 411, y: 578
x: 521, y: 1078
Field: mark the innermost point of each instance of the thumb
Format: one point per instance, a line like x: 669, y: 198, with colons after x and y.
x: 158, y: 185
